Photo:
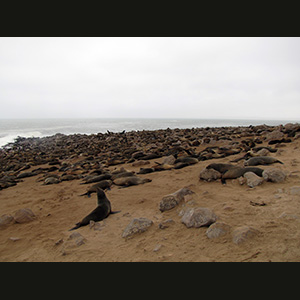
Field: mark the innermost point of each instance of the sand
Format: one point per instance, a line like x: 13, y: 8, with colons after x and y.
x: 58, y: 207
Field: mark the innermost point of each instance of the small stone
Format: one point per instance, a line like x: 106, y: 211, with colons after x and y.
x: 295, y: 190
x: 170, y: 201
x: 253, y: 180
x: 209, y: 174
x: 274, y: 175
x: 157, y: 248
x: 24, y: 215
x: 243, y: 233
x: 217, y: 229
x: 96, y: 225
x: 14, y: 239
x: 166, y: 223
x: 136, y: 226
x: 169, y: 160
x: 274, y: 135
x: 76, y: 238
x: 198, y: 217
x: 6, y: 220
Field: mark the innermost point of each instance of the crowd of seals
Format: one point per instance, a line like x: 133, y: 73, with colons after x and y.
x: 85, y: 157
x: 90, y: 158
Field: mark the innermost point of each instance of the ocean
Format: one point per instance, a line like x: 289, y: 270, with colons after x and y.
x: 10, y: 129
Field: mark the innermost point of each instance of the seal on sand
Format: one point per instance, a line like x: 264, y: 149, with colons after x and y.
x: 104, y: 184
x: 261, y: 160
x: 99, y: 213
x: 236, y: 172
x: 132, y: 180
x: 222, y: 168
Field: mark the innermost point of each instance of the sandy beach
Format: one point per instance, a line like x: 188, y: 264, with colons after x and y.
x: 266, y: 216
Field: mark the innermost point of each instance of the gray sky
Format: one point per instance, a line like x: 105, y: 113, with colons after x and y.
x: 150, y: 77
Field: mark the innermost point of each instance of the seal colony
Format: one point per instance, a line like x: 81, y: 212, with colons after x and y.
x: 136, y: 169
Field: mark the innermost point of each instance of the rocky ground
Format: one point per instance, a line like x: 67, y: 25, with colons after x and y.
x: 182, y: 212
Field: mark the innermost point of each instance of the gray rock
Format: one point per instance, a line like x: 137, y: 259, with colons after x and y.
x: 295, y: 190
x: 136, y: 226
x: 217, y: 229
x: 75, y: 239
x: 198, y: 217
x: 253, y: 180
x: 170, y: 201
x: 170, y: 160
x: 274, y: 135
x: 6, y: 220
x: 263, y: 152
x: 243, y: 233
x: 274, y: 175
x: 166, y: 223
x: 209, y: 174
x: 24, y: 215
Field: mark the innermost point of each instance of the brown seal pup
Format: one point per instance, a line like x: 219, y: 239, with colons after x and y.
x: 261, y: 160
x: 99, y: 213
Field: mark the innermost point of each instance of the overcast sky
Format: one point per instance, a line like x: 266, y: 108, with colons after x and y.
x: 150, y: 77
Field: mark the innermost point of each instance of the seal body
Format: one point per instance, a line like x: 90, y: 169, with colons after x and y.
x: 261, y: 160
x: 236, y: 172
x: 99, y: 213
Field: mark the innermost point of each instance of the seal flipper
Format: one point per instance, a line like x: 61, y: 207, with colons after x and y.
x: 115, y: 212
x: 77, y: 226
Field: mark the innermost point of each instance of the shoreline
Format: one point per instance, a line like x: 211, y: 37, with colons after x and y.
x: 273, y: 214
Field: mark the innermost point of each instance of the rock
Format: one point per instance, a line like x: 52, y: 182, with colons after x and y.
x: 242, y: 180
x: 253, y: 180
x: 295, y: 190
x: 76, y: 240
x: 96, y: 225
x: 170, y: 201
x: 217, y: 229
x: 136, y: 226
x: 157, y: 247
x: 274, y: 175
x: 289, y: 216
x: 170, y: 160
x: 198, y: 217
x: 243, y: 233
x: 263, y: 152
x: 209, y: 174
x: 165, y: 224
x: 274, y: 135
x: 14, y: 239
x: 6, y: 220
x: 24, y: 215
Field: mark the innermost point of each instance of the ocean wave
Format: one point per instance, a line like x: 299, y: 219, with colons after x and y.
x: 10, y: 138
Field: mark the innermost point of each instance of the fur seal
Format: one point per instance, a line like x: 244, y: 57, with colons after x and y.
x: 261, y: 160
x: 99, y: 213
x: 236, y: 172
x: 132, y: 180
x: 187, y: 159
x: 104, y: 184
x: 97, y: 178
x: 222, y: 168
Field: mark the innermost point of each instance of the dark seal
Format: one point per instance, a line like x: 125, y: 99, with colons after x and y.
x: 102, y: 211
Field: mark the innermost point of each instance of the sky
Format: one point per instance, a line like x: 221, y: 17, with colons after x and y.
x: 146, y: 77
